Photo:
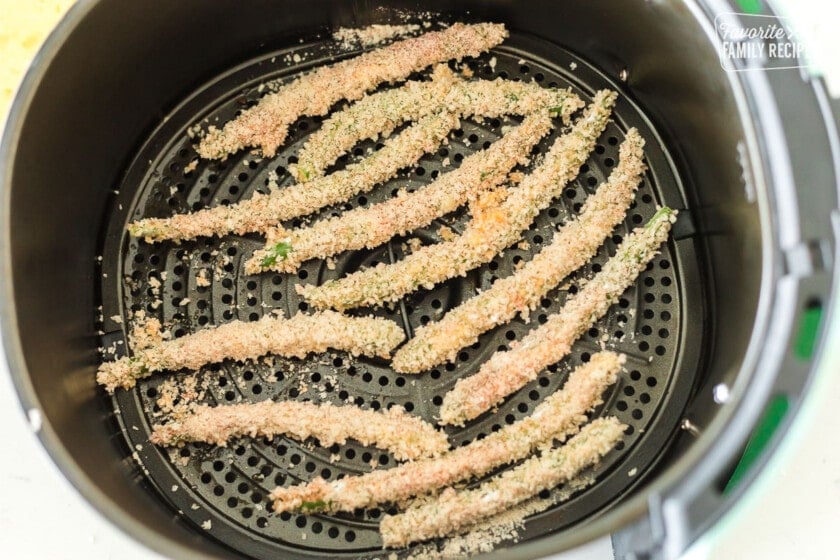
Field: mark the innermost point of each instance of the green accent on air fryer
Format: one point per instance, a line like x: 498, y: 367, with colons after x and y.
x: 809, y: 326
x: 773, y: 415
x: 750, y: 6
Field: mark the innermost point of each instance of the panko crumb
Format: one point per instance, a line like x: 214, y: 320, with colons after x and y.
x: 414, y: 244
x: 201, y: 279
x: 207, y: 525
x: 446, y: 233
x: 516, y: 177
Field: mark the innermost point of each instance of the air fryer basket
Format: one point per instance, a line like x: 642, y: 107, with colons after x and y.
x: 228, y: 486
x: 99, y: 138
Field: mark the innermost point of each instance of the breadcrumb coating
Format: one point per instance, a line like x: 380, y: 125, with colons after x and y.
x: 454, y: 510
x: 506, y: 372
x: 556, y: 418
x: 406, y: 436
x: 380, y: 113
x: 573, y: 245
x: 238, y: 340
x: 266, y: 124
x: 495, y: 225
x: 370, y: 227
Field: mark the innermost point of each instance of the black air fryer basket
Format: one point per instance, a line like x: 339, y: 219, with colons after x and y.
x: 722, y: 327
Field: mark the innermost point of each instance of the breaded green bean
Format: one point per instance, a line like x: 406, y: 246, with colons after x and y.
x: 379, y: 113
x: 238, y: 340
x: 406, y: 436
x: 264, y: 211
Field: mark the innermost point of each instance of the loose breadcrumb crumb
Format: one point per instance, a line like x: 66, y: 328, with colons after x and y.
x: 372, y: 35
x: 446, y: 233
x: 201, y: 279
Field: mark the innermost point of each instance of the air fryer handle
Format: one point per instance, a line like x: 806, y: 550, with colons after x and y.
x: 670, y: 526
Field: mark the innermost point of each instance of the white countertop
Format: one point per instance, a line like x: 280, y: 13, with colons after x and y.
x: 41, y: 514
x: 792, y: 513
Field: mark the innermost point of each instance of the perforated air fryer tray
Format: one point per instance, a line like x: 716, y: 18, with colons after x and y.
x: 658, y: 323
